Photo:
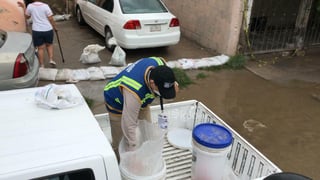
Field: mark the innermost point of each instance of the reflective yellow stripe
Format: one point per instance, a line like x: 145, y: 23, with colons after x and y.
x: 112, y: 84
x: 146, y: 97
x: 132, y: 83
x: 159, y: 61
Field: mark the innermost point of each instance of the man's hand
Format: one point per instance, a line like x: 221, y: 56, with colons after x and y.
x: 176, y: 86
x: 21, y: 4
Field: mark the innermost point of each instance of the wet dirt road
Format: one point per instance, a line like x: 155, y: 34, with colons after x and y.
x: 281, y: 119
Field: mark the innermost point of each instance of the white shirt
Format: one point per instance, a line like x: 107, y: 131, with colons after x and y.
x: 39, y: 13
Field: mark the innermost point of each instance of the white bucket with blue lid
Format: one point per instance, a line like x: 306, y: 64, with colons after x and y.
x: 210, y: 147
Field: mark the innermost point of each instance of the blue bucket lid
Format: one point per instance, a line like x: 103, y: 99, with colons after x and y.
x: 212, y: 135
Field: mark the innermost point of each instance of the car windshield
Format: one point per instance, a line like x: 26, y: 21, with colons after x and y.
x: 142, y: 6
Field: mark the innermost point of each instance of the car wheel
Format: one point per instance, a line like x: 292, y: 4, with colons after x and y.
x: 109, y: 40
x: 80, y: 17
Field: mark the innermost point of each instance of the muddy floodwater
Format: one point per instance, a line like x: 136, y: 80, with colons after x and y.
x: 281, y: 119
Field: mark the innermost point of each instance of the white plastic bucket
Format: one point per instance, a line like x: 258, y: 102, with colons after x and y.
x: 161, y: 175
x: 210, y: 147
x: 146, y: 162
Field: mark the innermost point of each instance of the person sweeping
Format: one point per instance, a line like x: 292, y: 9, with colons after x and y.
x: 43, y: 25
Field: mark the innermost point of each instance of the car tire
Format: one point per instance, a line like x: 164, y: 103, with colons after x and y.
x: 80, y: 19
x: 108, y: 36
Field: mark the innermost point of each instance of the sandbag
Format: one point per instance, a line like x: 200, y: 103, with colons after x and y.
x: 48, y: 74
x: 90, y: 54
x: 95, y: 73
x: 118, y: 57
x: 64, y: 74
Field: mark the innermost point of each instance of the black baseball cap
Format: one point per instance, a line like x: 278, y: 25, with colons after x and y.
x: 164, y: 78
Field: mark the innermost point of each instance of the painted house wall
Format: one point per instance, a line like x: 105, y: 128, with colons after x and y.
x: 214, y: 24
x: 12, y: 16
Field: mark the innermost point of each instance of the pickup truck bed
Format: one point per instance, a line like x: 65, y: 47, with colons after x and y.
x: 244, y: 161
x: 38, y: 143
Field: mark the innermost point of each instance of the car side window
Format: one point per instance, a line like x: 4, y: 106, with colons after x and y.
x: 83, y: 174
x: 106, y: 5
x: 93, y: 1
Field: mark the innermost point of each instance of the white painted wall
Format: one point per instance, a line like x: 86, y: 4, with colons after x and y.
x: 214, y: 24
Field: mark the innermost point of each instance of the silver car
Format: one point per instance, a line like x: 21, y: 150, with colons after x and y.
x: 19, y: 65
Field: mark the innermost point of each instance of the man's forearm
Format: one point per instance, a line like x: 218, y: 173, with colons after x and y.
x: 23, y: 6
x: 129, y: 120
x: 52, y: 22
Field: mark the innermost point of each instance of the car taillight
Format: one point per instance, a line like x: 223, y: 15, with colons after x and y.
x: 132, y: 24
x: 21, y: 67
x: 174, y: 22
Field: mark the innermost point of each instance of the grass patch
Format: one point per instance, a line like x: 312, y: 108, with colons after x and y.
x: 89, y: 101
x: 201, y: 76
x: 182, y: 78
x: 235, y: 62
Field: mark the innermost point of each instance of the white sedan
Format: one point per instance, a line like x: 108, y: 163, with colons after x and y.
x: 131, y: 24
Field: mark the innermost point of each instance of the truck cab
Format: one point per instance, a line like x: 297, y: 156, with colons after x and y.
x: 64, y: 144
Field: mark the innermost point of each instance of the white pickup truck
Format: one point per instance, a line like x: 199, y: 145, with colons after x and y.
x: 68, y: 144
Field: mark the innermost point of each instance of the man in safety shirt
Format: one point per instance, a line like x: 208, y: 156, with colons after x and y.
x: 128, y: 95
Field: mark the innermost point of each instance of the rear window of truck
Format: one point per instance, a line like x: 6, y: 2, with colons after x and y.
x: 83, y: 174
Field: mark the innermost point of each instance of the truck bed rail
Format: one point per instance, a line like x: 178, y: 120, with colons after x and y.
x: 244, y: 162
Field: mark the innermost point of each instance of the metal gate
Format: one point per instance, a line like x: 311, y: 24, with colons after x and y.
x: 313, y: 28
x: 279, y: 25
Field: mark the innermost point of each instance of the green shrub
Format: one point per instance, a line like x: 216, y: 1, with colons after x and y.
x: 182, y: 78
